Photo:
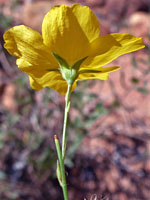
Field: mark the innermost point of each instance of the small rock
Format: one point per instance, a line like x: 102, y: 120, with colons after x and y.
x: 138, y: 25
x: 8, y: 99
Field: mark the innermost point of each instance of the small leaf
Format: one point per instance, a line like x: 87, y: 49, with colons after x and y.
x: 133, y: 62
x: 135, y: 80
x: 58, y: 172
x: 99, y: 110
x: 143, y: 90
x: 116, y: 103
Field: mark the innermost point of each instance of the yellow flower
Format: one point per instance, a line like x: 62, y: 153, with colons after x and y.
x: 70, y: 48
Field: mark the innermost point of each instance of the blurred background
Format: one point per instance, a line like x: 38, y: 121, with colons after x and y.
x: 109, y: 124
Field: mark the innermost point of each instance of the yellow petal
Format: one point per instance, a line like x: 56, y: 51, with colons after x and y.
x: 62, y: 33
x: 87, y: 20
x: 27, y: 45
x: 108, y: 47
x: 34, y: 84
x: 29, y: 68
x: 52, y: 80
x: 101, y: 73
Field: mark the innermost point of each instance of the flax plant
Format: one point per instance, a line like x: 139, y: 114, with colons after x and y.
x: 70, y: 49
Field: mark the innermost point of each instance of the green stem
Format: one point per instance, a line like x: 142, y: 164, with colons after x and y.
x: 63, y: 182
x: 61, y: 154
x: 67, y: 107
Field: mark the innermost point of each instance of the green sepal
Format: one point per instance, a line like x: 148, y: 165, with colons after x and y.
x: 76, y: 66
x: 61, y: 61
x: 64, y: 67
x: 69, y: 73
x: 89, y: 71
x: 53, y: 70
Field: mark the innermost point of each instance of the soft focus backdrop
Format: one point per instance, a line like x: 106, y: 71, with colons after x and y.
x: 109, y: 127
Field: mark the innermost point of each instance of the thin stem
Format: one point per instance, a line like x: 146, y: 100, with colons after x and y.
x: 61, y: 154
x: 63, y: 182
x: 67, y: 107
